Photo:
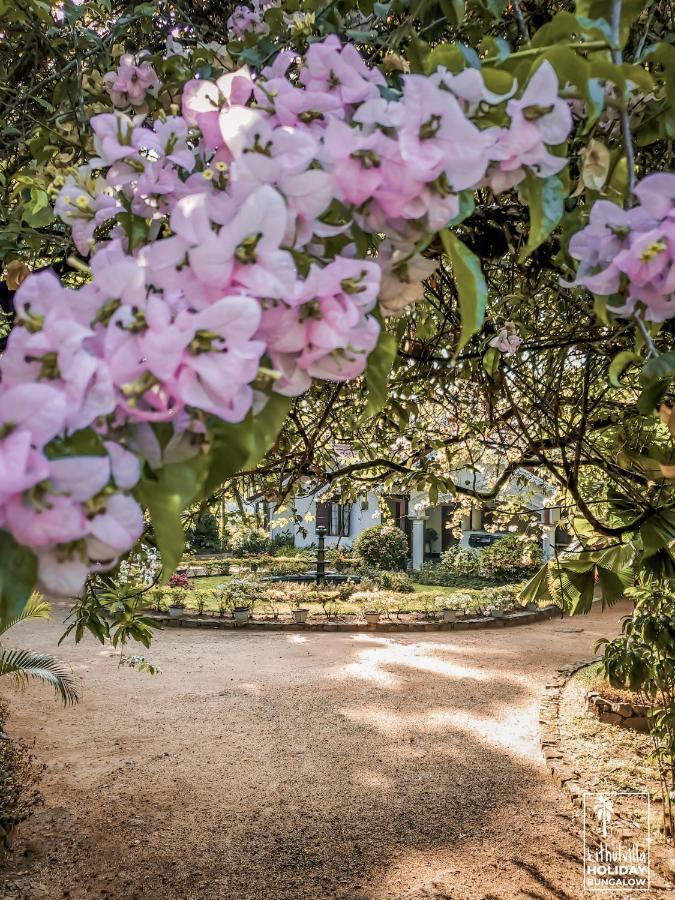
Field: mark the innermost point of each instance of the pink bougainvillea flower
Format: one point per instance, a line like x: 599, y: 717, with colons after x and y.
x: 125, y: 466
x: 61, y: 572
x: 657, y: 194
x: 119, y: 525
x: 79, y: 477
x: 113, y: 136
x: 541, y: 105
x: 21, y: 467
x: 436, y: 137
x: 506, y: 342
x: 37, y: 408
x: 130, y: 83
x: 646, y: 258
x: 334, y: 68
x: 49, y: 520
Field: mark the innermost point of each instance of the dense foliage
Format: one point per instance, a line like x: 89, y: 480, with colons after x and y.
x: 515, y: 365
x: 204, y: 535
x: 643, y: 659
x: 382, y: 547
x: 20, y: 776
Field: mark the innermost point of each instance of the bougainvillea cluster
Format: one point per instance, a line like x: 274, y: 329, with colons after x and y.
x: 248, y: 237
x: 629, y: 254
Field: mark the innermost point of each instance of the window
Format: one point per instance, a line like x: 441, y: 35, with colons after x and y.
x: 334, y: 517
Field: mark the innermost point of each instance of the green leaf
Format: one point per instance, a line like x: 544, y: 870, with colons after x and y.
x: 651, y: 396
x: 38, y: 211
x: 491, y: 361
x: 135, y: 227
x: 467, y: 204
x: 239, y: 447
x: 380, y: 362
x: 496, y: 7
x: 82, y: 443
x: 546, y: 200
x: 662, y: 366
x: 619, y: 364
x: 537, y: 588
x: 453, y: 10
x: 165, y: 494
x: 583, y: 584
x: 562, y: 25
x: 657, y: 533
x: 18, y: 574
x: 448, y: 55
x: 613, y: 584
x: 470, y: 283
x: 381, y: 10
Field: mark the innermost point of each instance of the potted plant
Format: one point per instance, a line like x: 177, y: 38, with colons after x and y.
x: 300, y: 615
x: 177, y: 608
x: 372, y: 616
x: 430, y: 537
x: 241, y: 614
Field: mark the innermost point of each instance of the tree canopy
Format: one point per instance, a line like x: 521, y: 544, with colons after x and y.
x: 508, y: 329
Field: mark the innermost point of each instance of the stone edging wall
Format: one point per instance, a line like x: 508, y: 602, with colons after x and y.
x: 611, y: 712
x: 560, y: 767
x: 509, y: 621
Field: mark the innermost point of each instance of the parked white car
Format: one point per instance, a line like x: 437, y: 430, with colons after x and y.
x: 479, y: 540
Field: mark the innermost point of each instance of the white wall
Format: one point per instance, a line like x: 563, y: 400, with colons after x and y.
x: 359, y: 519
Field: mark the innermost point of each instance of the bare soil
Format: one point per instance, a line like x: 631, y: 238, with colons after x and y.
x: 301, y: 767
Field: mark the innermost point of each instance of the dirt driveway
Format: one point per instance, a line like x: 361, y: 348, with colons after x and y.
x: 298, y: 767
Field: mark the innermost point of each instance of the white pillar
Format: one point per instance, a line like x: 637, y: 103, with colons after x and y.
x: 418, y: 542
x: 548, y: 541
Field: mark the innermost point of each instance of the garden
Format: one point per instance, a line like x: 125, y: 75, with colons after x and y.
x: 257, y: 584
x: 381, y: 275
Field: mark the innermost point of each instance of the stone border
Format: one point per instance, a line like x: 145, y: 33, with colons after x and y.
x: 563, y: 773
x: 484, y: 622
x: 614, y: 712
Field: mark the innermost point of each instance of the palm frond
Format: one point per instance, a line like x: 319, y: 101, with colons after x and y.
x: 24, y: 664
x: 36, y: 608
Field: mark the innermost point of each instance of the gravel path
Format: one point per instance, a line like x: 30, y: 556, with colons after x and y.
x: 299, y: 767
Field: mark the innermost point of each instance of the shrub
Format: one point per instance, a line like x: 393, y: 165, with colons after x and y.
x: 20, y: 775
x: 509, y: 558
x: 251, y: 542
x: 400, y: 582
x: 217, y: 568
x: 286, y: 566
x: 282, y: 543
x: 179, y: 580
x: 382, y: 547
x: 242, y: 592
x: 205, y: 535
x: 201, y: 599
x: 459, y: 561
x: 436, y: 574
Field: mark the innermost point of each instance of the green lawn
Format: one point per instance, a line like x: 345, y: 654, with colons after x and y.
x: 435, y: 589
